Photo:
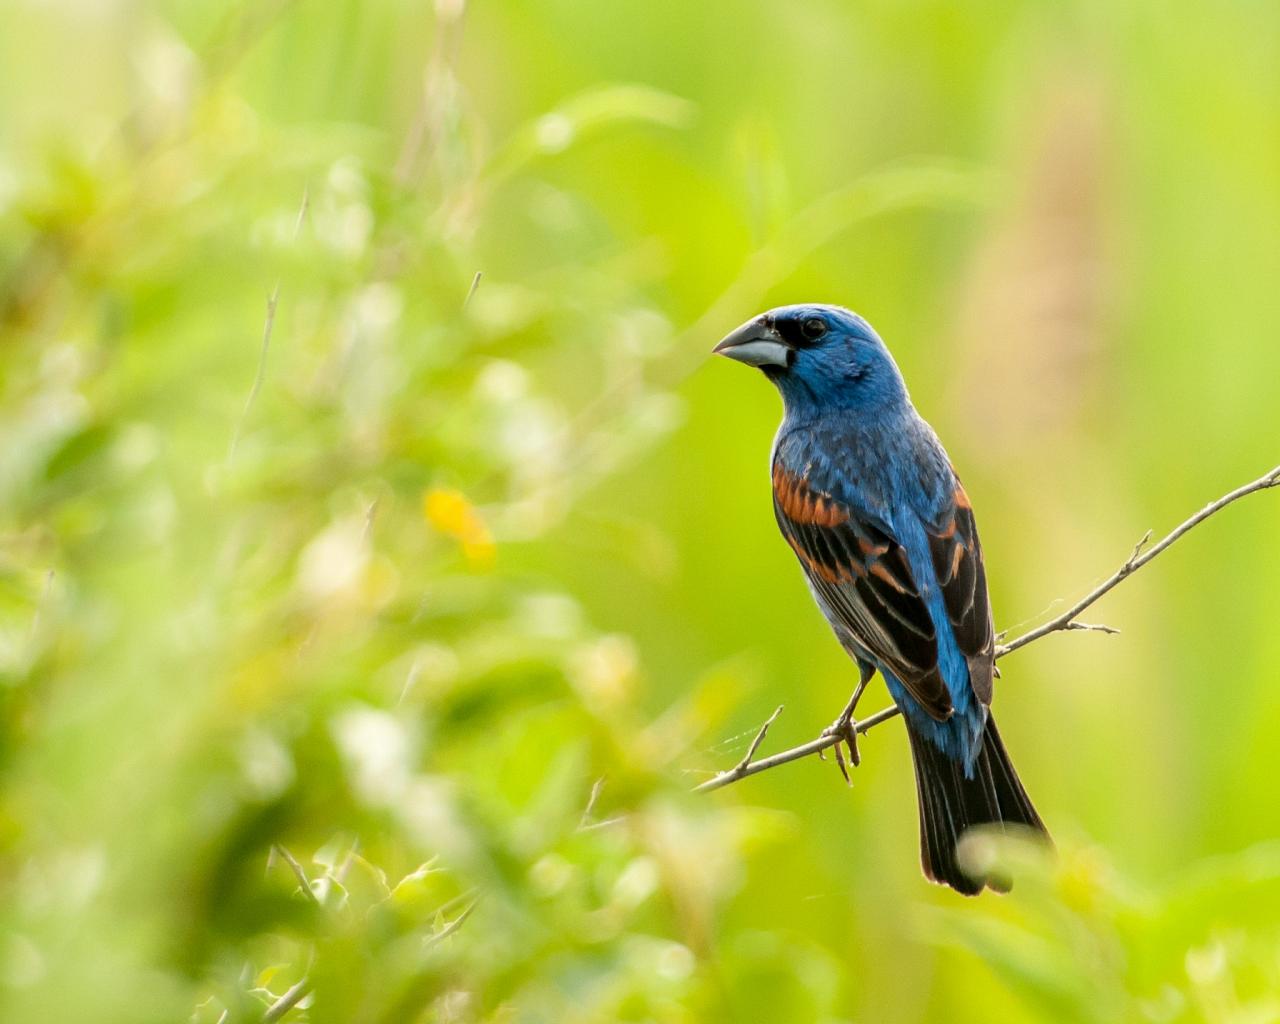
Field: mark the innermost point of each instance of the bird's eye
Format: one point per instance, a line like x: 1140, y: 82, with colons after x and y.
x: 813, y: 328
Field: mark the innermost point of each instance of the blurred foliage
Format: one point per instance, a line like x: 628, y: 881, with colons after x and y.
x: 379, y: 567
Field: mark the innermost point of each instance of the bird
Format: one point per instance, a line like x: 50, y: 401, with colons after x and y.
x: 868, y: 500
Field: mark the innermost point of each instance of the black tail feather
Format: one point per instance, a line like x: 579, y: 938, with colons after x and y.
x: 951, y: 803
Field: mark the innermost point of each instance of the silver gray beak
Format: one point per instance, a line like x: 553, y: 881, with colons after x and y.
x: 756, y: 344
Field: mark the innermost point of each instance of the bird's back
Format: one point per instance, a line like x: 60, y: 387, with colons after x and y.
x: 893, y: 477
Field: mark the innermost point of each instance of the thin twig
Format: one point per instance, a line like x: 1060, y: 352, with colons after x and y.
x: 475, y: 283
x: 298, y: 872
x: 1064, y: 622
x: 585, y: 820
x: 34, y: 630
x: 428, y: 124
x: 411, y: 677
x: 462, y: 897
x: 268, y: 326
x: 451, y: 927
x: 288, y: 1001
x: 340, y: 876
x: 617, y: 819
x: 370, y: 514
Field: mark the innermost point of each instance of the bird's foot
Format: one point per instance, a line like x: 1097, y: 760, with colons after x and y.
x: 845, y: 731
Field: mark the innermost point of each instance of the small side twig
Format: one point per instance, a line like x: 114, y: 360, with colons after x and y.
x: 451, y: 927
x: 1137, y: 548
x: 268, y: 326
x: 596, y: 826
x: 585, y: 821
x: 1065, y: 622
x: 370, y: 514
x: 746, y: 766
x: 1092, y: 627
x: 755, y: 743
x: 34, y: 629
x: 475, y: 283
x: 298, y: 872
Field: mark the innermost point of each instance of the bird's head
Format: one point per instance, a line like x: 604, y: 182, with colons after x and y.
x: 820, y: 357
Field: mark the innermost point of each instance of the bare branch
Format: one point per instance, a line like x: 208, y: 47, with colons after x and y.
x: 741, y: 771
x: 1138, y: 559
x: 1065, y: 622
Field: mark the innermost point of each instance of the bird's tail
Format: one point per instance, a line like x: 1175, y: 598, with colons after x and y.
x: 951, y: 803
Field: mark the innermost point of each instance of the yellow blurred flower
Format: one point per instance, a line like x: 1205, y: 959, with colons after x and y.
x: 449, y: 512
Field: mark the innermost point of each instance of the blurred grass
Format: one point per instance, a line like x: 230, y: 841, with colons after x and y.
x: 460, y: 556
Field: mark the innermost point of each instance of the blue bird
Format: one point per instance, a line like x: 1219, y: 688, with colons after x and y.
x: 865, y: 495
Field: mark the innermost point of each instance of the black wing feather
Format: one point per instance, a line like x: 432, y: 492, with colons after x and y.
x: 957, y: 560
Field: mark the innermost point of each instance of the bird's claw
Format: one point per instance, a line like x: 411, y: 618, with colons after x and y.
x: 845, y: 730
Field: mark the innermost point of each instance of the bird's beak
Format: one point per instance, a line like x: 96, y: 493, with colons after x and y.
x: 755, y: 343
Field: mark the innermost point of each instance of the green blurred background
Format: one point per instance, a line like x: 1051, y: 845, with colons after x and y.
x: 314, y: 548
